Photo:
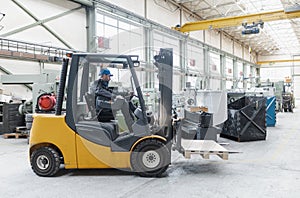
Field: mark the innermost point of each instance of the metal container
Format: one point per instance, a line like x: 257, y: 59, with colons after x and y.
x: 246, y: 119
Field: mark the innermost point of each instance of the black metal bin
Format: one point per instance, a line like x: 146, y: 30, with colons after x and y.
x: 246, y: 119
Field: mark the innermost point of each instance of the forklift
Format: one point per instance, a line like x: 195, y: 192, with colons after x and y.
x: 74, y: 137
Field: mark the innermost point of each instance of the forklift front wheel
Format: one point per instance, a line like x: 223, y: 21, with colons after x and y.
x: 151, y: 158
x: 45, y: 161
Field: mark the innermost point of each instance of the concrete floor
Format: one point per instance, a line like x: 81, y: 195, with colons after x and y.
x: 268, y: 168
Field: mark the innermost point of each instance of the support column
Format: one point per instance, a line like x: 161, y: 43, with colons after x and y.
x: 245, y: 75
x: 235, y: 74
x: 223, y: 72
x: 257, y: 80
x: 206, y: 68
x: 148, y: 43
x: 91, y: 29
x: 183, y: 62
x: 252, y: 76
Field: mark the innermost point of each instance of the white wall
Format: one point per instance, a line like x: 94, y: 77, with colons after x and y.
x: 71, y: 28
x: 227, y: 44
x: 212, y: 38
x: 238, y: 50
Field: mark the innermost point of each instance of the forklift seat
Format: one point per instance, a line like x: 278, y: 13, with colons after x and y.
x: 94, y: 130
x: 90, y: 101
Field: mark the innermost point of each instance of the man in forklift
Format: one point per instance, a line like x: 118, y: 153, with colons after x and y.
x: 108, y: 102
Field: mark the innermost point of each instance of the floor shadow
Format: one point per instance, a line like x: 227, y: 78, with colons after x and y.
x: 94, y: 172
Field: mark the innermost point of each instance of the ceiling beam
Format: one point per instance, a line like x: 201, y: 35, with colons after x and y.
x: 237, y: 20
x: 27, y: 11
x: 214, y: 7
x: 39, y: 22
x: 83, y: 2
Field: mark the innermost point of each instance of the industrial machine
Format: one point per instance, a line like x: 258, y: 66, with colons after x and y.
x: 44, y: 90
x: 78, y: 140
x: 288, y: 101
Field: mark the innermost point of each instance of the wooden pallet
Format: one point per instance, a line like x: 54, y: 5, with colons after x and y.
x: 14, y: 135
x: 205, y: 148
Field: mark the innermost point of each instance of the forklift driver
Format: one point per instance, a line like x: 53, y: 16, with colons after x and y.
x: 107, y: 102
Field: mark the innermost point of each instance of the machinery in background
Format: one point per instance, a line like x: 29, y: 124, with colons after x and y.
x: 214, y: 102
x: 288, y: 101
x: 204, y: 111
x: 10, y: 118
x: 178, y: 104
x: 44, y: 91
x: 279, y: 86
x: 151, y: 99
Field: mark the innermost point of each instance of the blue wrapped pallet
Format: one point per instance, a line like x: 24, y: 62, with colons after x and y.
x: 271, y: 113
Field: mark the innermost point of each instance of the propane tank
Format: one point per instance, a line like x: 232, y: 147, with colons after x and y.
x: 47, y: 102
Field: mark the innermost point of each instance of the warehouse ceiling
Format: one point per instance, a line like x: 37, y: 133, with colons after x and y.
x: 276, y: 37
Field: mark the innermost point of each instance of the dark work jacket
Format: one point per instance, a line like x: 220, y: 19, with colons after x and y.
x: 103, y: 95
x: 102, y: 91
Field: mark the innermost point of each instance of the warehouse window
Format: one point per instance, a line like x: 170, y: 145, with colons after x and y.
x: 115, y: 36
x: 195, y: 58
x: 229, y: 73
x: 118, y: 36
x: 161, y: 40
x: 195, y: 65
x: 240, y: 75
x: 214, y: 64
x: 214, y: 71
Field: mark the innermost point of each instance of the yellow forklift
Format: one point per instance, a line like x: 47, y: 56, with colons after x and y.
x: 74, y: 137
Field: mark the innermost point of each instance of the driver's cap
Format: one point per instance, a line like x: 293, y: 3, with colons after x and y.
x: 105, y: 72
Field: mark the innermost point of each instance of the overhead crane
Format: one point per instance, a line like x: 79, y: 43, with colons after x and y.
x: 238, y: 20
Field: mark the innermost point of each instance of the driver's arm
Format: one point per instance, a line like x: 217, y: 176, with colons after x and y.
x: 100, y: 91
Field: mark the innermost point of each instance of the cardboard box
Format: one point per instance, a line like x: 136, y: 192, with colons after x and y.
x: 196, y: 109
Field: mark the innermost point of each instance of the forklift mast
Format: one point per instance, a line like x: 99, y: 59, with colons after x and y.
x: 164, y: 63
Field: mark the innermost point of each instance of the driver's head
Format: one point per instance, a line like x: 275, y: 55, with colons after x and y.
x: 105, y: 74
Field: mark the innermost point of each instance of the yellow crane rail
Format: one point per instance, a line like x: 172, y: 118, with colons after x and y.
x: 277, y: 61
x: 237, y: 20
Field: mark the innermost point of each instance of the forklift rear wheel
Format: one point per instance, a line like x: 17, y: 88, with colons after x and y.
x: 151, y: 158
x: 45, y: 161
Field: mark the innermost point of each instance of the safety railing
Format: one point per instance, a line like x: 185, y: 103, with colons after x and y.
x: 26, y: 50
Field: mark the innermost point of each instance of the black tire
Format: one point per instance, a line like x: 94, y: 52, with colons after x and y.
x: 47, y: 157
x: 150, y: 158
